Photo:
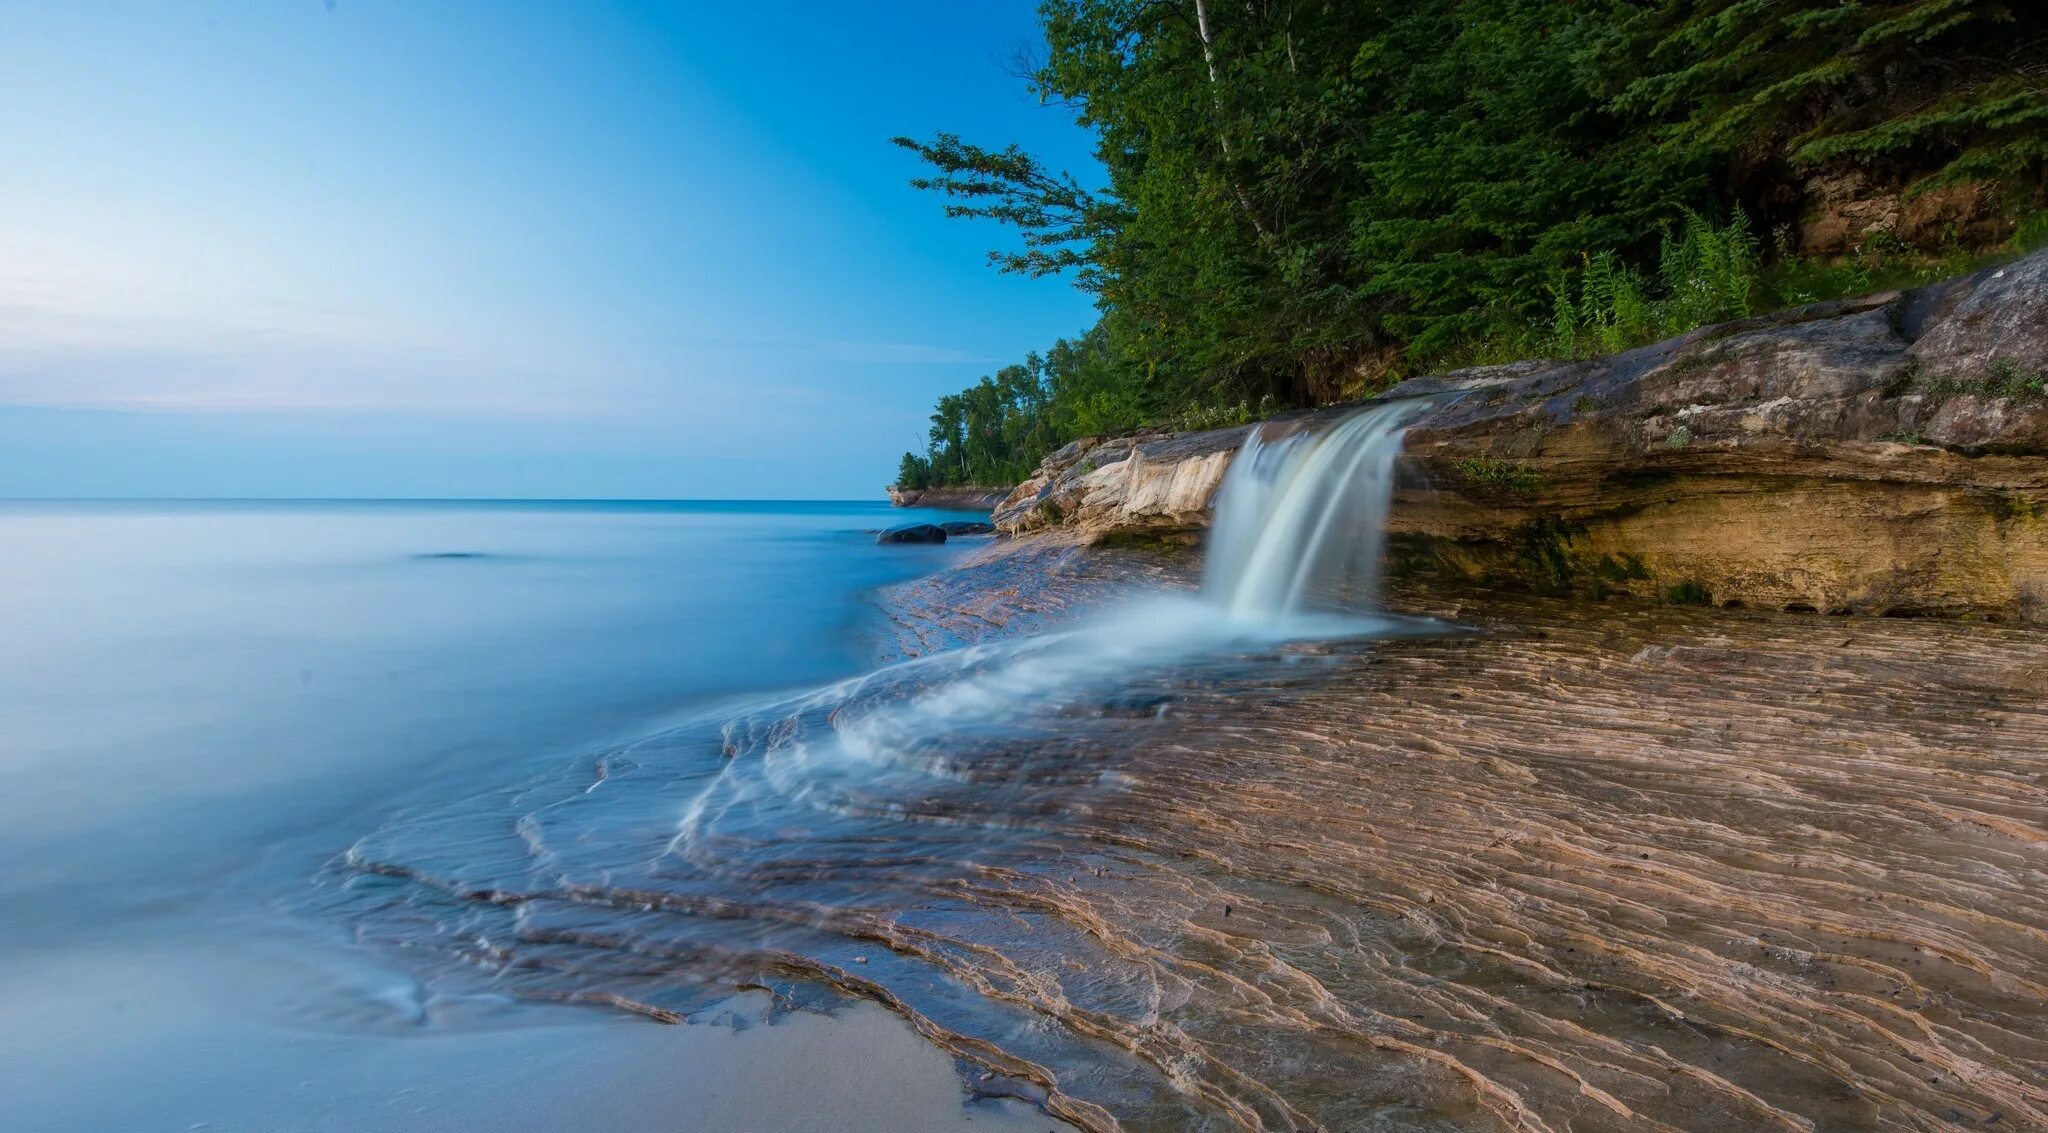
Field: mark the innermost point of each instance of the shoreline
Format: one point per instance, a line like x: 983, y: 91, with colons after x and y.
x: 964, y: 498
x: 190, y: 946
x: 1622, y: 841
x: 533, y: 1068
x: 1743, y: 869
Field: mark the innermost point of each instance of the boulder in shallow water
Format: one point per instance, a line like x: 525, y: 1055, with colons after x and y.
x: 968, y: 527
x: 913, y: 533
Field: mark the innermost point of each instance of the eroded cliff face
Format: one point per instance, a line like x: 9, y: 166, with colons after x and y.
x: 1887, y: 454
x: 966, y: 498
x: 1147, y: 483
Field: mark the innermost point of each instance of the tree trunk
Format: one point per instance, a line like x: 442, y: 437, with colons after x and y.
x: 1244, y: 202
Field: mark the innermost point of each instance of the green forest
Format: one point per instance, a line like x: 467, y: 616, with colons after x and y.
x: 1304, y: 201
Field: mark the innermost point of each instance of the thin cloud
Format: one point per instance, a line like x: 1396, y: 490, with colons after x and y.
x: 900, y: 353
x: 62, y: 350
x: 65, y: 345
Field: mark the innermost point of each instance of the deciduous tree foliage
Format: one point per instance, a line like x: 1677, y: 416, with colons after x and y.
x: 1305, y: 197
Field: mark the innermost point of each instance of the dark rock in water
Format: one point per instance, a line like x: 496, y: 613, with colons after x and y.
x: 968, y: 527
x: 913, y: 533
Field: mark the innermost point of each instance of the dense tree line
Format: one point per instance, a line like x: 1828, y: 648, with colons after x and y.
x: 1306, y: 199
x: 995, y: 431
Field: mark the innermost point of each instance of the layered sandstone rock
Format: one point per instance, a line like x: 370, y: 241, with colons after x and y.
x: 1846, y: 211
x: 1148, y: 483
x: 1572, y: 866
x: 965, y: 497
x: 1887, y: 454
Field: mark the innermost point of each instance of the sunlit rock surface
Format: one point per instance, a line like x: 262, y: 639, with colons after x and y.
x: 1597, y: 866
x: 1887, y: 454
x: 1544, y: 864
x: 1141, y: 484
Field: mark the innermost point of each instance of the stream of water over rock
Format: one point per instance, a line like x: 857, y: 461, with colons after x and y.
x: 1301, y: 519
x: 1236, y: 861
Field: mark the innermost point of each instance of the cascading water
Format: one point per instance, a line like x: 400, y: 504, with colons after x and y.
x: 1301, y: 523
x: 921, y: 833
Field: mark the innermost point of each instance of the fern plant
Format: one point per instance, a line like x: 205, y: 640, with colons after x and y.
x: 1611, y: 303
x: 1705, y: 274
x: 1709, y: 274
x: 1564, y: 316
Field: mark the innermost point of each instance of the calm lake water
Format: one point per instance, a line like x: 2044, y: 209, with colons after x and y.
x: 203, y: 704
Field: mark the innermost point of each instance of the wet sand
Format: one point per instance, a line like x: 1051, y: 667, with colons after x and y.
x: 158, y: 1040
x: 209, y: 700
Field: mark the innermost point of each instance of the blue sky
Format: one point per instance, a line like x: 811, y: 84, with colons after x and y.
x: 495, y: 248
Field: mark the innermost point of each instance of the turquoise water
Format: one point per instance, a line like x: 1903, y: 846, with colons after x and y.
x: 204, y: 703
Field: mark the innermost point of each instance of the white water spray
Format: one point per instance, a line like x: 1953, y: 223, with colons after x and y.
x: 1301, y: 522
x: 1299, y: 533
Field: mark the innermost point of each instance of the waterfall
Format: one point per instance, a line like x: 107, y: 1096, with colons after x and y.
x: 1301, y: 523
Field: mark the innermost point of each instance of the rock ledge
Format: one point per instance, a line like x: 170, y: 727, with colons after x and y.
x: 1886, y: 454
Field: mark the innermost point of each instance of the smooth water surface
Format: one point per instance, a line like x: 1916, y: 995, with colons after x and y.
x: 911, y: 835
x: 203, y: 704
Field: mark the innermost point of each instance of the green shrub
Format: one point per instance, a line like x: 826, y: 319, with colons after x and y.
x: 2031, y: 233
x: 1223, y: 416
x: 1709, y: 274
x: 1496, y: 475
x: 2005, y: 380
x: 2009, y: 381
x: 1705, y: 274
x: 1689, y: 593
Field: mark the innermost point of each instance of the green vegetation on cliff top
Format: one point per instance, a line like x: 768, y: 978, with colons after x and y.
x: 1306, y: 201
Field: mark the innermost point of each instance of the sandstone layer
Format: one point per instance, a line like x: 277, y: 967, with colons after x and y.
x: 965, y: 497
x: 1620, y: 866
x: 1886, y: 454
x: 1543, y: 865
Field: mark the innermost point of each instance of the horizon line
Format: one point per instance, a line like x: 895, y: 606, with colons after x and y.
x: 445, y: 499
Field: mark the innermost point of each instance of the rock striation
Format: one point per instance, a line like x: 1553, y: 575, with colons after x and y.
x: 1886, y: 454
x: 1146, y: 483
x: 964, y: 497
x: 1542, y: 866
